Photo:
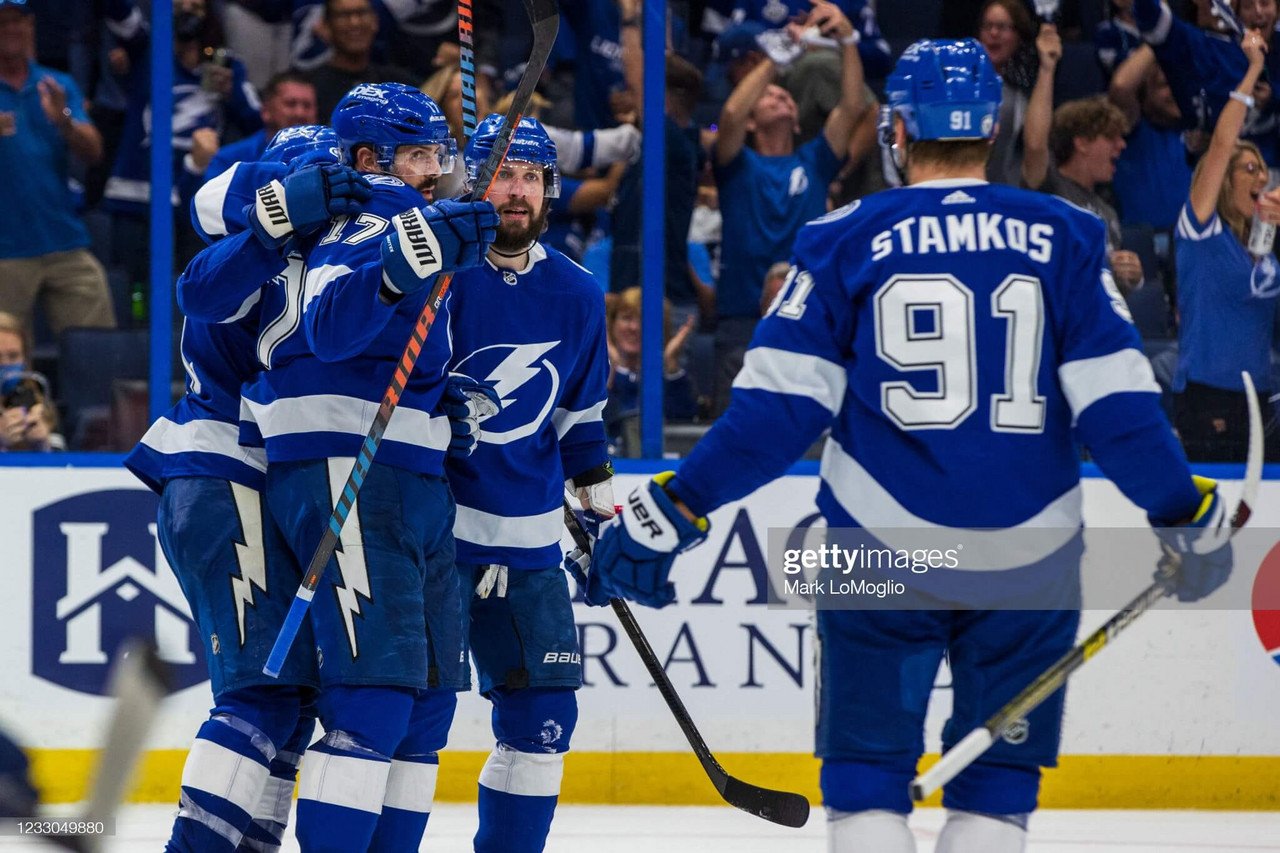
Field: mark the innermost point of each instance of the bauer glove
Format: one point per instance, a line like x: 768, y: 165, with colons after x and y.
x: 305, y: 200
x: 633, y: 558
x: 1197, y: 553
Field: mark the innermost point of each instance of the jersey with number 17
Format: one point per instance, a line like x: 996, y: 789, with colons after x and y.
x: 330, y: 347
x: 959, y: 338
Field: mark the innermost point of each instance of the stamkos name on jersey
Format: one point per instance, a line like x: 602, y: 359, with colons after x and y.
x: 965, y: 232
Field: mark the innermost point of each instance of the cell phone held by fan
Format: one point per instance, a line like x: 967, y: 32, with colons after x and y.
x: 20, y: 389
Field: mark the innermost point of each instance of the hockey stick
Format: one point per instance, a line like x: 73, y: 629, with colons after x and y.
x: 139, y: 681
x: 782, y: 807
x: 545, y: 18
x: 980, y: 739
x: 467, y: 67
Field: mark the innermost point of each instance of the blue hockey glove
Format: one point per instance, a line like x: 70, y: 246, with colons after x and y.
x: 578, y: 562
x: 304, y: 201
x: 447, y: 236
x: 633, y: 559
x: 1197, y: 557
x: 467, y: 402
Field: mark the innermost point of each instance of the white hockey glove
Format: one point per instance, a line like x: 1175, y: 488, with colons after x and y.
x: 594, y: 490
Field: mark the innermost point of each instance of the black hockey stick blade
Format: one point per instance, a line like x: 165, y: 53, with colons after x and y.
x: 785, y: 808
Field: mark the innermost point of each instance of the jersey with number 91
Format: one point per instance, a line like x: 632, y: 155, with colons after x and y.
x: 958, y: 338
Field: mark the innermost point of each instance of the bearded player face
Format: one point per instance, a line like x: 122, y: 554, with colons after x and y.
x: 518, y: 193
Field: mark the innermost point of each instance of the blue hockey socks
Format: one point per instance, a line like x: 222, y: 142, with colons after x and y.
x: 228, y: 766
x: 344, y: 775
x: 518, y: 796
x: 222, y: 781
x: 271, y: 816
x: 411, y: 783
x: 520, y: 782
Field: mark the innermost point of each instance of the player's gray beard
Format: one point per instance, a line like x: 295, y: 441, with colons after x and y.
x: 518, y: 241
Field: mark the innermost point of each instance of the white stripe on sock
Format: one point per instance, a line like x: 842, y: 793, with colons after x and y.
x: 215, y: 769
x: 411, y: 786
x: 343, y: 780
x: 524, y: 773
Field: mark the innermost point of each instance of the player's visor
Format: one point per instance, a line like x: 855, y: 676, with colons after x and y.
x: 416, y: 161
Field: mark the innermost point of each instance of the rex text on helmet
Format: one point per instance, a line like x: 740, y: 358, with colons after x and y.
x: 406, y: 131
x: 945, y: 91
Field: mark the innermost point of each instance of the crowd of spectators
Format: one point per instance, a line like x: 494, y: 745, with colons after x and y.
x: 771, y: 111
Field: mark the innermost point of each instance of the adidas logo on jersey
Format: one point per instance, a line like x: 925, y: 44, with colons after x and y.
x: 959, y: 197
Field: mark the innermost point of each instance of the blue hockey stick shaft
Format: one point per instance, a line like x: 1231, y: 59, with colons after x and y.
x: 545, y: 18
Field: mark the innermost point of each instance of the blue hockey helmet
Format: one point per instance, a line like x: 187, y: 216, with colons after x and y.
x: 945, y: 90
x: 316, y: 141
x: 529, y: 144
x: 388, y: 115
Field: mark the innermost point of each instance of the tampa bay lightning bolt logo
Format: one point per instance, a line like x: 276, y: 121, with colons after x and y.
x: 527, y: 382
x: 1263, y: 282
x: 99, y: 578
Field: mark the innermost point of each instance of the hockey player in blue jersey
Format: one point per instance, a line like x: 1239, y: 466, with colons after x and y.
x: 388, y: 616
x: 531, y: 322
x: 956, y: 337
x: 229, y: 555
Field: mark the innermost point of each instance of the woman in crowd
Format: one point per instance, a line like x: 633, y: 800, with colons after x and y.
x: 28, y: 419
x: 623, y: 407
x: 1226, y: 293
x: 1006, y: 31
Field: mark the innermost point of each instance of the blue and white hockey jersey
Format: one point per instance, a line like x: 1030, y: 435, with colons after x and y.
x: 539, y: 336
x: 956, y: 337
x: 331, y: 347
x: 200, y: 435
x: 218, y: 292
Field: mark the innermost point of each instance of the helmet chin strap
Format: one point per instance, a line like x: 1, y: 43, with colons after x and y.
x: 523, y: 251
x: 893, y: 159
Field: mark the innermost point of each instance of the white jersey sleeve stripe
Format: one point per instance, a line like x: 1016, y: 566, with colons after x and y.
x: 203, y: 436
x: 1088, y: 380
x: 351, y: 415
x: 245, y: 307
x: 878, y: 511
x: 783, y: 372
x: 318, y: 279
x: 1188, y: 231
x: 209, y: 201
x: 565, y: 420
x: 508, y: 531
